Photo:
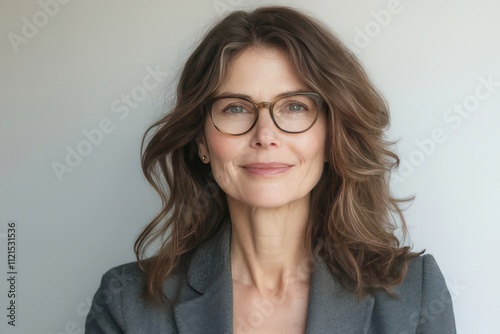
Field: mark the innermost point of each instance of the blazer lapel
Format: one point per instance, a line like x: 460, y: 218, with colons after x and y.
x: 332, y: 308
x: 209, y: 274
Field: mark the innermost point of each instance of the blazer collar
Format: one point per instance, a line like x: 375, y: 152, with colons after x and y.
x: 209, y: 274
x: 334, y: 309
x: 331, y: 309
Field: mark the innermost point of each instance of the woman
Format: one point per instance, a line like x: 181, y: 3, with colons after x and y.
x: 276, y: 217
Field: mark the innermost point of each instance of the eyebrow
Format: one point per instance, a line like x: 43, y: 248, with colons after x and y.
x: 230, y: 94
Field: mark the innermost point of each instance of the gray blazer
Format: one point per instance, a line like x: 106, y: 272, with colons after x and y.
x: 423, y: 303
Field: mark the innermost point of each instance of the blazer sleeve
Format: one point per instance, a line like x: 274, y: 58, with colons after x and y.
x: 436, y: 312
x: 105, y: 315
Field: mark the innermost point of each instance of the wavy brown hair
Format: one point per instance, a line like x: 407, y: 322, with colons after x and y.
x: 351, y: 224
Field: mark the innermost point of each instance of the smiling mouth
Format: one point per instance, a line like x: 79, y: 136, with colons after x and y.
x: 267, y: 169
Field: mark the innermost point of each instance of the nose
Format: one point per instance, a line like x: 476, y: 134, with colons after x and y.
x: 265, y: 133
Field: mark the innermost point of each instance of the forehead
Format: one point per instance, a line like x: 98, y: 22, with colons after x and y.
x: 261, y: 73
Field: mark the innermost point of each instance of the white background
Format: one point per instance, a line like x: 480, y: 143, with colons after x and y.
x: 66, y: 76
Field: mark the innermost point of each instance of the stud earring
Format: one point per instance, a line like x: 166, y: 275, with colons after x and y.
x: 203, y: 158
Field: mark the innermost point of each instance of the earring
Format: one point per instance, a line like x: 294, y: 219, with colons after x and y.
x: 203, y: 158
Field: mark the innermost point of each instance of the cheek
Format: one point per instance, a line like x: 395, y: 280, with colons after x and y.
x: 222, y: 156
x: 314, y: 146
x: 222, y: 172
x: 313, y: 156
x: 315, y: 161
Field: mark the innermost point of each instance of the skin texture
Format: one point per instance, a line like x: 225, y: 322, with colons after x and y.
x: 268, y: 207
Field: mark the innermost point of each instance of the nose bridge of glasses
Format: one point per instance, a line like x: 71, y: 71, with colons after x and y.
x: 267, y: 118
x: 264, y: 105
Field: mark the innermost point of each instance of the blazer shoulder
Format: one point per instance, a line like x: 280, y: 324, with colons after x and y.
x: 125, y: 276
x: 126, y: 281
x: 422, y: 302
x: 423, y: 277
x: 120, y: 305
x: 430, y: 269
x: 129, y: 271
x: 423, y: 272
x: 424, y: 263
x: 436, y: 312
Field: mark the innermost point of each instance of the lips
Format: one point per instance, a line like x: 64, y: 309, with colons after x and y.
x: 267, y: 169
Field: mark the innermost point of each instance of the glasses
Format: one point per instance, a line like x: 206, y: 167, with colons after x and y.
x: 291, y: 113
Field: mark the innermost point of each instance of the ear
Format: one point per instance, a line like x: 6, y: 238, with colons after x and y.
x: 203, y: 152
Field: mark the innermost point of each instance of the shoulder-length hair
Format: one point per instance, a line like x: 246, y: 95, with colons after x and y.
x: 351, y: 225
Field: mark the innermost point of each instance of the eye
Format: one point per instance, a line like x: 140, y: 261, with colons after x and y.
x: 235, y: 109
x: 293, y: 106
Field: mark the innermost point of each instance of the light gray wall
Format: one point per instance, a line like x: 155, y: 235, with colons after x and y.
x: 68, y: 76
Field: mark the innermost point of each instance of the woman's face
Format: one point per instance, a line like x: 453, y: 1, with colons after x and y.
x: 264, y: 167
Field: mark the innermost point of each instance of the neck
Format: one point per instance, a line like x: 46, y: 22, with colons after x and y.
x: 268, y: 245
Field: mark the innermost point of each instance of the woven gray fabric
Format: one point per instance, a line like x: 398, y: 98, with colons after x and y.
x: 423, y: 303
